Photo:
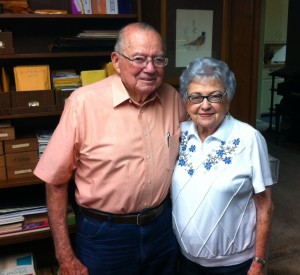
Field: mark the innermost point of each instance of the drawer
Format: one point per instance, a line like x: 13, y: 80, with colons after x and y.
x: 20, y: 145
x: 20, y: 171
x: 7, y: 133
x: 22, y: 158
x: 2, y: 173
x: 32, y: 101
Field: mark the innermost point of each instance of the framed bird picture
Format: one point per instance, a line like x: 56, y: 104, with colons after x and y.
x: 191, y: 29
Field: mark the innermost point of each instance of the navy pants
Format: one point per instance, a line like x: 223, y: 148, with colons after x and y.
x: 187, y: 267
x: 111, y: 248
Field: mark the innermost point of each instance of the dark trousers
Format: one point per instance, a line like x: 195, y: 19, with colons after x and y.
x: 187, y: 267
x: 110, y: 248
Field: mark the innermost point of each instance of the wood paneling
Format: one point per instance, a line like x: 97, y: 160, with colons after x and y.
x: 239, y: 48
x: 243, y: 56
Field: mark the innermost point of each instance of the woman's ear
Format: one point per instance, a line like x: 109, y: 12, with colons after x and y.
x: 115, y: 61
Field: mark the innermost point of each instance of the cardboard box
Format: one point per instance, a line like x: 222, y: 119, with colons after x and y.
x: 6, y: 43
x: 32, y: 102
x: 2, y: 173
x: 21, y: 145
x: 7, y: 133
x: 20, y: 171
x: 274, y: 166
x: 22, y: 158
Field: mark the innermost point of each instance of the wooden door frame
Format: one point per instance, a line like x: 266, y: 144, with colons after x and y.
x: 239, y: 49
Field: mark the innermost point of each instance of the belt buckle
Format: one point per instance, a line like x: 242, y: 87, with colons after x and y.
x: 137, y: 219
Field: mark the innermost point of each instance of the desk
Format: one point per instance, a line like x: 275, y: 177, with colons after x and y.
x: 285, y: 73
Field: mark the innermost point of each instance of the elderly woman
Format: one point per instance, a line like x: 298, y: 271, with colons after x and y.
x: 221, y: 191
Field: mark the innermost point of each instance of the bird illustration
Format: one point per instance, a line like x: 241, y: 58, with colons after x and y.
x: 197, y: 42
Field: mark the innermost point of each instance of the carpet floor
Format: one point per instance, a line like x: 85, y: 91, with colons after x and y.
x: 284, y: 245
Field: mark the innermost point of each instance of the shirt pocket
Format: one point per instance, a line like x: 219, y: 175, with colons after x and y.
x: 172, y: 150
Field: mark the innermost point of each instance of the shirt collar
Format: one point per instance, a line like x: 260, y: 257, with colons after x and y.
x: 120, y: 93
x: 222, y: 132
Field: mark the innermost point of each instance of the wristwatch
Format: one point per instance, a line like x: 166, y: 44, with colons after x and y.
x: 259, y: 260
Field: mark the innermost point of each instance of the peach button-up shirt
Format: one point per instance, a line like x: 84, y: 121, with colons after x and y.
x: 122, y: 154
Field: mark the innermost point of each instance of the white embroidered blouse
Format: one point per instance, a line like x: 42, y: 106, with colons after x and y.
x: 212, y: 191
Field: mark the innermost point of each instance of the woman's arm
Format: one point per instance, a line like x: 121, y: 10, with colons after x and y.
x: 264, y: 209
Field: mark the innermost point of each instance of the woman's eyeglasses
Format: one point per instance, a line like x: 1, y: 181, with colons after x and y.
x: 196, y: 98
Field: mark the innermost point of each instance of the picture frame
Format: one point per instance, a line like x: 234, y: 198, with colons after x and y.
x: 184, y: 22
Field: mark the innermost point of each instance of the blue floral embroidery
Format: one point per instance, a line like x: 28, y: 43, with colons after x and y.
x: 221, y: 154
x: 184, y: 154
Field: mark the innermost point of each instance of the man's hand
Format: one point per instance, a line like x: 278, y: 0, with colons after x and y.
x: 72, y: 267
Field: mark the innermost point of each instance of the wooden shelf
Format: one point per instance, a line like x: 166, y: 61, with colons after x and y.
x: 27, y: 16
x: 29, y: 235
x: 54, y: 55
x: 32, y: 47
x: 20, y: 182
x: 27, y: 115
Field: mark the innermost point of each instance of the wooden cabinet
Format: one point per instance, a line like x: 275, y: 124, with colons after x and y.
x: 276, y: 18
x: 32, y: 35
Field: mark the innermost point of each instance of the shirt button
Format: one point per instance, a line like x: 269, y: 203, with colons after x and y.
x: 149, y: 181
x: 148, y: 157
x: 145, y: 203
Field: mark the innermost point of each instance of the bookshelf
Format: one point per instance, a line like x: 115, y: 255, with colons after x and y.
x: 31, y: 47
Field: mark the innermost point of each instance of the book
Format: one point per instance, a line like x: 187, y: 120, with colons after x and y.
x: 17, y: 264
x: 92, y: 76
x: 9, y: 220
x: 43, y: 137
x: 112, y: 7
x: 9, y: 228
x: 99, y: 6
x: 35, y: 221
x: 72, y: 81
x: 81, y: 6
x: 5, y: 80
x: 124, y: 6
x: 105, y: 34
x: 110, y: 69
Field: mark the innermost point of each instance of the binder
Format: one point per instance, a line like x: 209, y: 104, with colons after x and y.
x: 32, y: 78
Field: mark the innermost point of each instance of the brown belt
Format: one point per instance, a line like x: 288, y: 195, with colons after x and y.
x: 140, y: 218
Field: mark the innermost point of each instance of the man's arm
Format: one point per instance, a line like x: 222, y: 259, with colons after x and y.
x: 57, y: 203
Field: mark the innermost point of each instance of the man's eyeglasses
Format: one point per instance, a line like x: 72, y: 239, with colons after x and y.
x: 142, y: 61
x: 196, y: 98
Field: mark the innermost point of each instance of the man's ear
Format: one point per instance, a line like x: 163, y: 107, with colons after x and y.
x: 115, y: 61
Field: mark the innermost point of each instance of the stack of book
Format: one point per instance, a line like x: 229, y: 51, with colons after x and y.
x: 86, y: 40
x: 101, y: 6
x: 43, y: 137
x: 65, y: 80
x: 23, y: 218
